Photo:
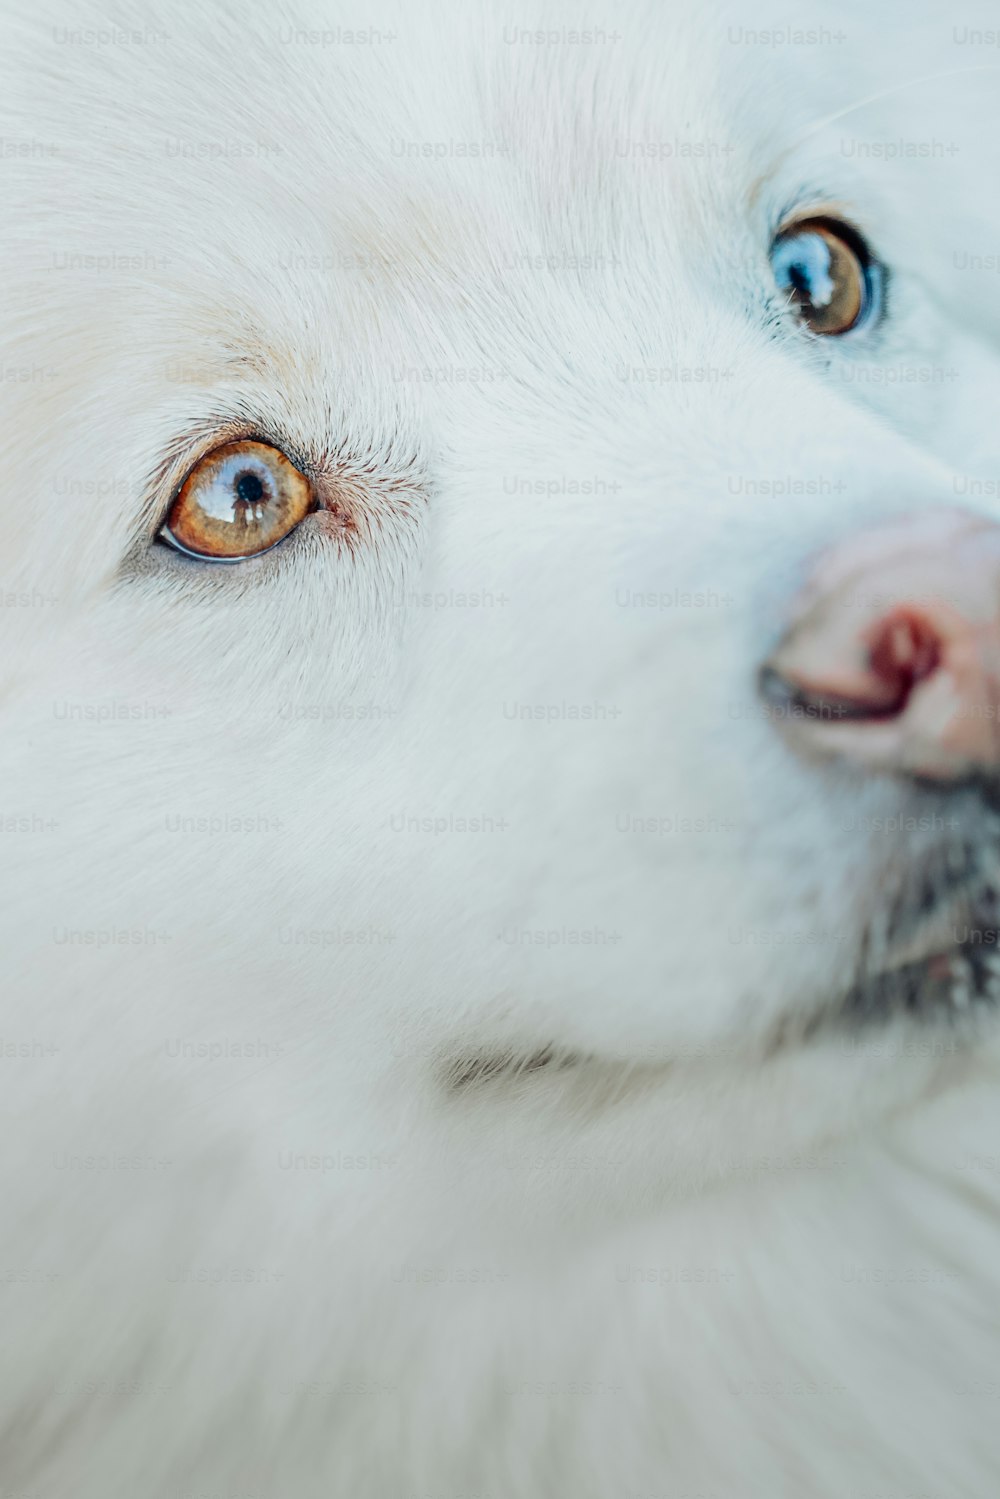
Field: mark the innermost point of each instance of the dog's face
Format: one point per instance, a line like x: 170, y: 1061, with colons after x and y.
x: 467, y: 781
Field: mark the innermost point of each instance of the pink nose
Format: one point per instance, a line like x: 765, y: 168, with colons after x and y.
x: 893, y: 656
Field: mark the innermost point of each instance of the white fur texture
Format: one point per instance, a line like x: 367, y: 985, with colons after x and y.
x: 292, y: 847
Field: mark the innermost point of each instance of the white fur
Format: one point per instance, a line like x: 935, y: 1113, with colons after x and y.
x: 688, y: 1263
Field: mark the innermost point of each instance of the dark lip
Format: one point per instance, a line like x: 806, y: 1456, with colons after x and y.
x: 954, y: 985
x: 955, y: 979
x: 936, y: 961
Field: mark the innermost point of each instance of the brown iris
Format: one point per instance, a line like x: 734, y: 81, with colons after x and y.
x: 240, y: 499
x: 825, y: 270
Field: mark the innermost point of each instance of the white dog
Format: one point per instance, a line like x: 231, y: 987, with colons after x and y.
x: 500, y: 685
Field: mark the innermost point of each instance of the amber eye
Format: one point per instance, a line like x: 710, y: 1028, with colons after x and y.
x: 240, y: 499
x: 830, y: 278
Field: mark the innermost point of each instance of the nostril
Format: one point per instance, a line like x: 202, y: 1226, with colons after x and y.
x: 904, y: 649
x: 871, y: 679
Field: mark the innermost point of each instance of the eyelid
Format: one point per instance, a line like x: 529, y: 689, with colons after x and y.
x: 166, y: 538
x: 839, y: 223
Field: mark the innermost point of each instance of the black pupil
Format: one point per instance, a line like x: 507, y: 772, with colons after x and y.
x: 249, y: 489
x: 798, y: 275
